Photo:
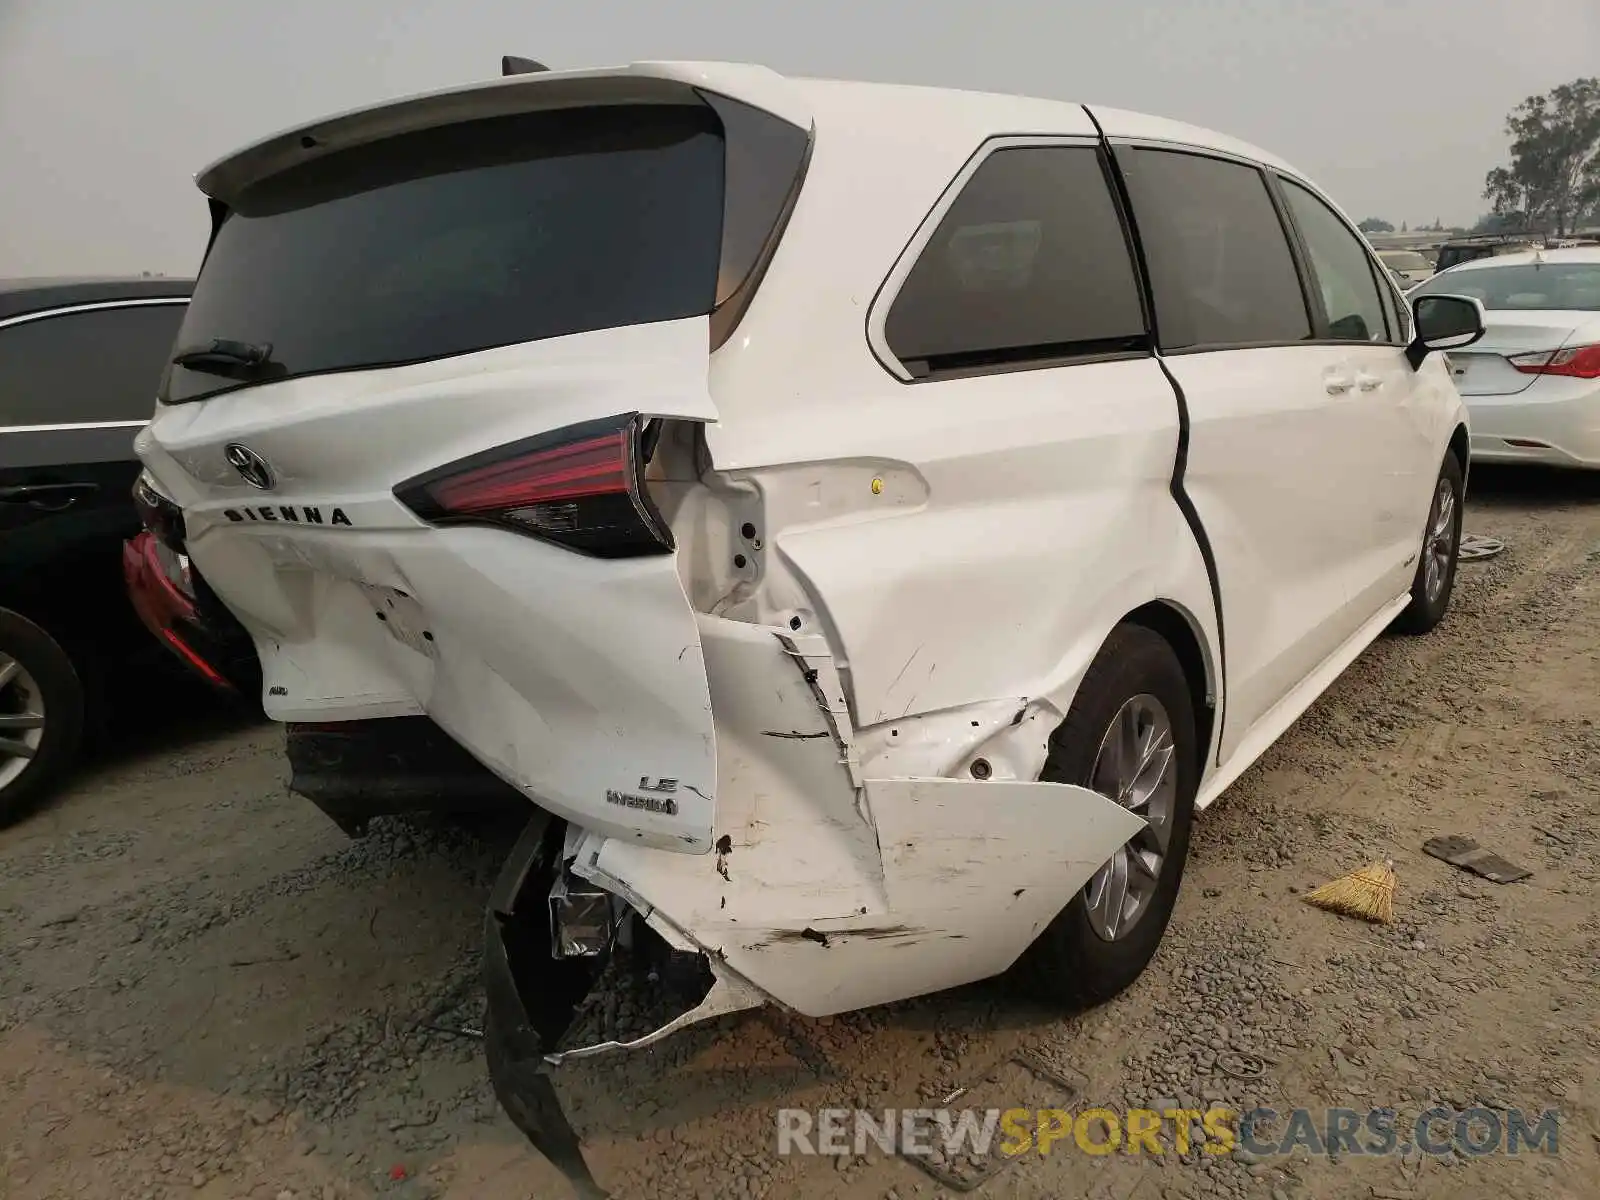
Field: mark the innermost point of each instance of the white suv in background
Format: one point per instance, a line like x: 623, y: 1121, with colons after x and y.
x: 864, y: 533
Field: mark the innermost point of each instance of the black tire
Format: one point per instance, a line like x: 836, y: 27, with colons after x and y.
x: 1070, y: 964
x: 1425, y: 612
x: 63, y: 696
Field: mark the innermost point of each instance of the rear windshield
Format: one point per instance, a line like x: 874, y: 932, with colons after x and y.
x: 1570, y: 286
x: 460, y: 239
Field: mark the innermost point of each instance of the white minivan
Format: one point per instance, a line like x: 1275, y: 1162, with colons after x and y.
x: 863, y: 523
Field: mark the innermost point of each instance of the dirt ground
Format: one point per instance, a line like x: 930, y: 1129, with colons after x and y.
x: 206, y: 990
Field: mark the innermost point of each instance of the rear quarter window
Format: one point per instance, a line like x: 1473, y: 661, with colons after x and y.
x: 1029, y: 264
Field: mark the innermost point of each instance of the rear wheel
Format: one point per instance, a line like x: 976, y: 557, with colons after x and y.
x: 41, y: 713
x: 1130, y: 735
x: 1441, y: 546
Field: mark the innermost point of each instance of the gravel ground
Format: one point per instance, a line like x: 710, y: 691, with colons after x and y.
x: 207, y: 991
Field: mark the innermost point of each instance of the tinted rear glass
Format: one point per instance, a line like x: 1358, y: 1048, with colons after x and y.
x: 96, y: 365
x: 1220, y: 264
x: 1029, y: 263
x: 1568, y: 286
x: 465, y: 238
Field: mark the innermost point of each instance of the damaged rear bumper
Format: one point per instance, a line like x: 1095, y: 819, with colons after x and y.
x: 830, y: 889
x: 534, y: 998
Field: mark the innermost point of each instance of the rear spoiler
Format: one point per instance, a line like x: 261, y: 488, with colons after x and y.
x: 525, y: 86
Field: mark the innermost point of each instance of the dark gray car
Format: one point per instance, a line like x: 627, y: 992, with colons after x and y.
x: 79, y: 364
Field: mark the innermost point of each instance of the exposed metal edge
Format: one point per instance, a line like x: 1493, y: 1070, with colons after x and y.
x: 822, y: 676
x: 727, y: 995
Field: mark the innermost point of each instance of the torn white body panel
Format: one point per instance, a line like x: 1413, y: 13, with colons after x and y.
x: 952, y: 562
x: 832, y: 890
x: 973, y: 871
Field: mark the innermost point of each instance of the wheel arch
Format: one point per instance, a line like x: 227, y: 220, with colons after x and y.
x: 1180, y: 630
x: 1461, y: 447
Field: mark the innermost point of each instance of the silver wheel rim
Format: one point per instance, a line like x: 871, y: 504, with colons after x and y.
x: 1137, y: 767
x: 1441, y: 541
x: 21, y: 719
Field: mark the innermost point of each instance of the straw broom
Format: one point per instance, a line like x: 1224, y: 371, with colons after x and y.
x: 1367, y: 893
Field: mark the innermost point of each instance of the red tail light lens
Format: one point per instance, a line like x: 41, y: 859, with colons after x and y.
x: 578, y: 487
x: 1577, y: 362
x: 164, y: 521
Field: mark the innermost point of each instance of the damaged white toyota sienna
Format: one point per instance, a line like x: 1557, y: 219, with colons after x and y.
x: 864, y: 523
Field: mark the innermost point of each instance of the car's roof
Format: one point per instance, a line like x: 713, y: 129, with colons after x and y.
x: 20, y: 296
x: 943, y: 118
x: 1569, y: 254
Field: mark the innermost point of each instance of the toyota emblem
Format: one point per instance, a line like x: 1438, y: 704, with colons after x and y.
x: 251, y: 466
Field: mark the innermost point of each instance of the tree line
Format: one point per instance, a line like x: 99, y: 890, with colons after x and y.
x: 1551, y: 181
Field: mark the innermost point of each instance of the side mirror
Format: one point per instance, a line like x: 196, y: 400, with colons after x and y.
x: 1443, y: 323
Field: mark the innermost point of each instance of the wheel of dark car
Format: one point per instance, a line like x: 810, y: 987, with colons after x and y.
x: 1441, y: 547
x: 1129, y: 735
x: 41, y: 713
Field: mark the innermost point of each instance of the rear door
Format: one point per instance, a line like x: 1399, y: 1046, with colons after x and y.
x: 408, y: 421
x: 76, y: 384
x: 1273, y: 442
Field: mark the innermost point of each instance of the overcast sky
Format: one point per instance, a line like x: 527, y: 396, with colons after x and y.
x: 109, y: 107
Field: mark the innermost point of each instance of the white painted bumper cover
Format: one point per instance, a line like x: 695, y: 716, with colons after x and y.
x: 1565, y: 421
x: 833, y: 891
x: 971, y: 873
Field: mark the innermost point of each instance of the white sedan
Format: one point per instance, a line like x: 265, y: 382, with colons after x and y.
x: 1532, y: 384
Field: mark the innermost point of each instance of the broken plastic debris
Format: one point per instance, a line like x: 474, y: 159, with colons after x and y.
x: 1465, y: 853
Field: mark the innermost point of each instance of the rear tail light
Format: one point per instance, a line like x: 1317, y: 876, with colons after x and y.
x: 160, y: 516
x: 1577, y: 362
x: 174, y: 565
x: 577, y: 487
x: 164, y: 520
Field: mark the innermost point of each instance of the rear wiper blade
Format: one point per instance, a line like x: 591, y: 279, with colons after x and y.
x: 224, y: 356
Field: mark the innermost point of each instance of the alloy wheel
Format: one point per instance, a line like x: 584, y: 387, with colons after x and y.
x: 22, y: 719
x: 1440, y: 543
x: 1137, y: 767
